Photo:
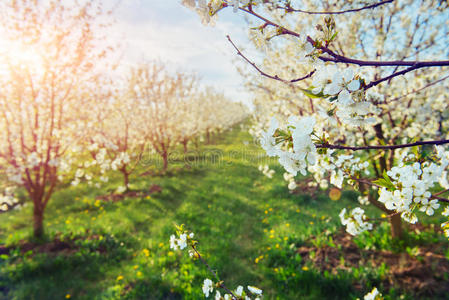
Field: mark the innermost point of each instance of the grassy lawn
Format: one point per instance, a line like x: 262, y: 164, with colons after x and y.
x: 249, y: 227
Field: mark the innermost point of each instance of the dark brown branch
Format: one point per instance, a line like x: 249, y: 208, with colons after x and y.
x: 381, y: 147
x: 442, y: 192
x: 275, y: 77
x: 288, y: 8
x: 336, y: 58
x: 439, y: 198
x: 395, y: 74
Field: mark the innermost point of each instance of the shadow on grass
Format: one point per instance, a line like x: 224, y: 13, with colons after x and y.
x: 46, y: 274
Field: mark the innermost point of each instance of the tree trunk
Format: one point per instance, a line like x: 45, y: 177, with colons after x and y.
x: 38, y: 220
x: 126, y: 179
x: 184, y: 143
x: 165, y: 158
x: 395, y: 220
x: 396, y: 226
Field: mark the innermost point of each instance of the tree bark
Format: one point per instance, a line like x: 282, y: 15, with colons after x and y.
x: 396, y: 227
x: 184, y: 143
x: 38, y: 219
x: 126, y: 179
x: 165, y: 159
x: 397, y: 231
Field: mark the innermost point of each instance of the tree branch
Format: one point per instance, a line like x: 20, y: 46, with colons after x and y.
x: 336, y: 58
x: 395, y: 74
x: 343, y: 59
x: 439, y: 198
x: 288, y: 8
x: 381, y: 147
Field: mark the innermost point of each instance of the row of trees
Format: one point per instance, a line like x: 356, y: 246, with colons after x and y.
x: 62, y: 115
x: 154, y: 111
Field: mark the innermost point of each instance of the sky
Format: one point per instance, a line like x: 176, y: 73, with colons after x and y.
x: 167, y: 31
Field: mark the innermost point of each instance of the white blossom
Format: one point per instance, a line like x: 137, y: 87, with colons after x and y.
x: 207, y: 287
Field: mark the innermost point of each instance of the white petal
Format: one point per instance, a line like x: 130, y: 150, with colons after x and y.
x: 332, y: 89
x: 345, y: 98
x: 354, y: 85
x: 348, y: 74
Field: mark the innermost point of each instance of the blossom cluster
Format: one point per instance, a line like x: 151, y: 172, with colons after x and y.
x: 373, y: 295
x: 181, y: 242
x: 290, y: 178
x: 338, y: 167
x: 208, y: 288
x: 102, y: 162
x: 342, y: 87
x: 266, y: 171
x: 8, y: 199
x: 207, y: 10
x: 409, y: 185
x: 355, y: 221
x: 300, y: 149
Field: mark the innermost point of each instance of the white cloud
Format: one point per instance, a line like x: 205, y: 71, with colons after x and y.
x: 173, y: 34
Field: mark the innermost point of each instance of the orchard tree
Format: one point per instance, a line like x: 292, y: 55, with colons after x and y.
x: 164, y: 96
x: 49, y: 72
x: 216, y: 113
x: 118, y: 140
x: 362, y: 87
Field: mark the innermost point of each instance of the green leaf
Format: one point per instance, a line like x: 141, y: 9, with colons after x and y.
x: 385, y: 182
x: 333, y: 36
x: 309, y: 93
x: 332, y: 99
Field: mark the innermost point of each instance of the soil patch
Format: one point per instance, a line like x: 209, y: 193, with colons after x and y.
x: 424, y: 274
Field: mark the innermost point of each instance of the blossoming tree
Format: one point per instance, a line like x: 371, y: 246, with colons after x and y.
x: 364, y: 93
x: 48, y: 74
x: 164, y: 97
x: 119, y: 140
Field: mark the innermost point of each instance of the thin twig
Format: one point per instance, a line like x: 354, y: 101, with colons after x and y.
x: 420, y: 89
x: 222, y: 285
x: 275, y: 77
x: 386, y: 217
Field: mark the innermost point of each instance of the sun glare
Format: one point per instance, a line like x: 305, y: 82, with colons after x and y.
x: 17, y: 55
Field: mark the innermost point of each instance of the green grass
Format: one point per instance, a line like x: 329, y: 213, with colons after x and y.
x: 249, y: 228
